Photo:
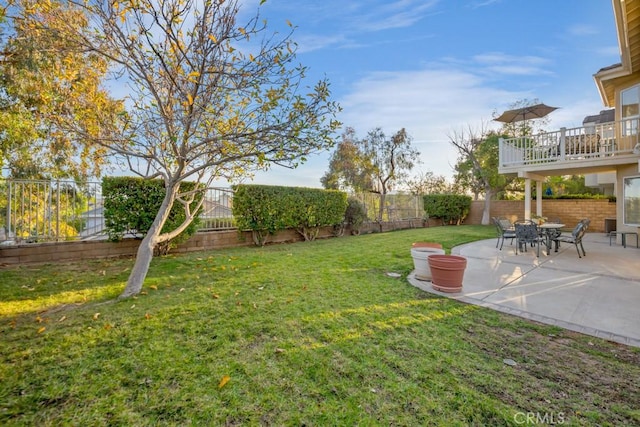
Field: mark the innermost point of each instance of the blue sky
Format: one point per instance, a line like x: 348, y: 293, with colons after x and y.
x: 434, y: 67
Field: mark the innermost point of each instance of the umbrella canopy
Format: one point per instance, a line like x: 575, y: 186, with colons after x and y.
x: 525, y: 113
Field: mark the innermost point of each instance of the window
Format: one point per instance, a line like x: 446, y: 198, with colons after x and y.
x: 631, y: 207
x: 630, y: 108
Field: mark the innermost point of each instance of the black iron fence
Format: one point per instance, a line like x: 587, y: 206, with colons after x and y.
x: 44, y: 211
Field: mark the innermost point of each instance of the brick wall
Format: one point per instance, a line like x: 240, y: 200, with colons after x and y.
x: 570, y: 211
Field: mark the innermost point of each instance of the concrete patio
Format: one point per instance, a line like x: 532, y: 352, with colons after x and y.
x: 598, y: 295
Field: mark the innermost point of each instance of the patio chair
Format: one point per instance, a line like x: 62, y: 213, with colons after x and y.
x: 527, y: 233
x: 586, y: 222
x: 575, y: 237
x: 505, y: 230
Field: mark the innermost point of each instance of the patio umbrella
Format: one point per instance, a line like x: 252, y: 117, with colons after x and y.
x: 525, y: 113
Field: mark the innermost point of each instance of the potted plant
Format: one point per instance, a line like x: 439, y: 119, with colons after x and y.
x: 539, y: 219
x: 447, y: 272
x: 420, y: 251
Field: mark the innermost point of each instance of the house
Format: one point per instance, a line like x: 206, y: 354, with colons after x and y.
x: 606, y: 149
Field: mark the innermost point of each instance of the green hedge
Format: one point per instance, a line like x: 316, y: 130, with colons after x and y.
x: 450, y: 208
x: 611, y: 198
x: 131, y: 205
x: 266, y: 209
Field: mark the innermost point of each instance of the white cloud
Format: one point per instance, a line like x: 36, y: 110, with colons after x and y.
x: 582, y: 30
x: 309, y: 43
x: 398, y: 14
x: 430, y: 104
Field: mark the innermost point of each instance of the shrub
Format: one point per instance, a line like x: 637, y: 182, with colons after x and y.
x: 131, y: 204
x: 450, y: 208
x: 611, y: 198
x: 266, y: 209
x: 355, y: 215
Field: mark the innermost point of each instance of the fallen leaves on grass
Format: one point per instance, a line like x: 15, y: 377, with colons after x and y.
x: 42, y: 329
x: 224, y: 381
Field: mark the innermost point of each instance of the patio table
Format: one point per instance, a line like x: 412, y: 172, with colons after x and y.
x: 550, y: 229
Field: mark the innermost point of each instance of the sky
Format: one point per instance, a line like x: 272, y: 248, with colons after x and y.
x: 435, y: 67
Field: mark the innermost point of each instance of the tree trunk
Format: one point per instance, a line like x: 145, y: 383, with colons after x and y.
x: 141, y: 266
x: 383, y: 195
x: 150, y: 240
x: 486, y: 212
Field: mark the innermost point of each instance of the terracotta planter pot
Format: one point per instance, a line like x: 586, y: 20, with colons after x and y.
x: 420, y: 251
x: 447, y: 272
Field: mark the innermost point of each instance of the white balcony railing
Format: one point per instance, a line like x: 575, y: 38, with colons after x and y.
x: 591, y: 142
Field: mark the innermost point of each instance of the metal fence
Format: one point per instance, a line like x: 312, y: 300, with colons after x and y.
x: 396, y: 206
x: 42, y: 211
x: 49, y: 210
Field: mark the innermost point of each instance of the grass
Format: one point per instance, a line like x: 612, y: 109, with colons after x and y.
x: 309, y: 333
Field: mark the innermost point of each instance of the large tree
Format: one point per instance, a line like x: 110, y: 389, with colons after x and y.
x: 477, y: 166
x: 208, y: 98
x: 46, y: 79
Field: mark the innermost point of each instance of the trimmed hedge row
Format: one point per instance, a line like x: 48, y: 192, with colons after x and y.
x: 450, y: 208
x: 265, y: 209
x: 131, y: 205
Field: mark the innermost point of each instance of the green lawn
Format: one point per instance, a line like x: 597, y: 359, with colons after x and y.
x: 309, y: 333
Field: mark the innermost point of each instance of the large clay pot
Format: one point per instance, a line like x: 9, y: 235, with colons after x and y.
x: 420, y: 252
x: 447, y: 272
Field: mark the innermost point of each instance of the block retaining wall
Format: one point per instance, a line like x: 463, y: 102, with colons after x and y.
x: 570, y: 211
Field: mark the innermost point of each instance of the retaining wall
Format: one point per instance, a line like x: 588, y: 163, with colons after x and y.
x: 569, y: 211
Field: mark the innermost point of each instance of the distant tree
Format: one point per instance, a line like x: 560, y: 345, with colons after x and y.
x: 348, y: 169
x: 209, y: 98
x: 568, y: 184
x: 390, y: 160
x: 46, y: 79
x: 428, y: 183
x: 374, y: 163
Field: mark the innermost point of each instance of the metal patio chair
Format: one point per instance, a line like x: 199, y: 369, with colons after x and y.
x: 575, y: 237
x: 504, y: 229
x: 527, y: 233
